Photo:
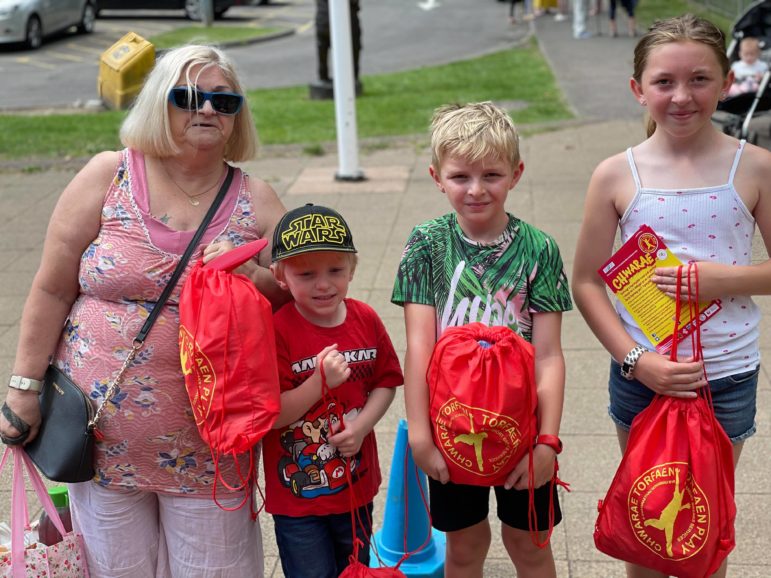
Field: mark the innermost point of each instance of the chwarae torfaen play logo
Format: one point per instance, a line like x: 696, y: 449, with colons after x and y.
x: 204, y: 379
x: 668, y: 511
x: 476, y: 440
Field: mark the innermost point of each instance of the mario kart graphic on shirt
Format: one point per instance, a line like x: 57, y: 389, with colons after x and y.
x: 310, y: 466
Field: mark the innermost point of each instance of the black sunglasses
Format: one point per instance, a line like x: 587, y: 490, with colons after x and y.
x: 221, y: 102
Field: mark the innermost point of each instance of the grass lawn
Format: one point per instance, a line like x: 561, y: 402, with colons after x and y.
x: 402, y: 103
x: 392, y: 104
x: 199, y: 34
x: 649, y: 10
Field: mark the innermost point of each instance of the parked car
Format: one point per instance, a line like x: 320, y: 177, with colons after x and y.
x: 29, y: 21
x: 191, y: 7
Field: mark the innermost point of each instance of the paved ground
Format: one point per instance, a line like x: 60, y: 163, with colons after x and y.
x: 382, y: 212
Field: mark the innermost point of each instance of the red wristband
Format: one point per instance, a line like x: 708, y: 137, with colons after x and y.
x: 552, y: 441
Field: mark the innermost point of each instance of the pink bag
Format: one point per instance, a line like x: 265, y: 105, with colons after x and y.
x: 67, y: 559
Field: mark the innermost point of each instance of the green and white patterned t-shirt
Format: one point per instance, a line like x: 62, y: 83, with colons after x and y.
x: 501, y: 283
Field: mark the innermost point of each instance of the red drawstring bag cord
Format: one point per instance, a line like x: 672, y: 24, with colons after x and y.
x: 333, y: 409
x: 532, y: 518
x: 698, y: 354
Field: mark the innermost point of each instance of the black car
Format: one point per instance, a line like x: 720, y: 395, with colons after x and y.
x: 191, y: 7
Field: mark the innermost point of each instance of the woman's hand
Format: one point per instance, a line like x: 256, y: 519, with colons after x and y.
x: 336, y: 368
x: 26, y: 406
x: 672, y: 378
x: 216, y: 249
x: 543, y: 468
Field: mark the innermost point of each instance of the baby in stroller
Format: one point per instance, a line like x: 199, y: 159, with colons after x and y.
x: 749, y: 69
x: 750, y: 53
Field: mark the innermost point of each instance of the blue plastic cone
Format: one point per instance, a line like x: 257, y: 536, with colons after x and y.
x: 389, y: 541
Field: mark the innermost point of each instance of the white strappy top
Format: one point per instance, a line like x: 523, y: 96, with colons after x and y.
x: 703, y: 224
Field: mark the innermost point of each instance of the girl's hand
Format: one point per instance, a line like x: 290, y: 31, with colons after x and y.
x: 429, y: 459
x: 336, y: 367
x: 710, y: 281
x: 672, y: 378
x: 543, y: 467
x: 216, y: 248
x: 348, y: 442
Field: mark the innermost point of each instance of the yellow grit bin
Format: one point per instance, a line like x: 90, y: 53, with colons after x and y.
x: 122, y: 70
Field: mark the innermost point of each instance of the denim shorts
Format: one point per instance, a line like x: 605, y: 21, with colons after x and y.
x: 734, y: 399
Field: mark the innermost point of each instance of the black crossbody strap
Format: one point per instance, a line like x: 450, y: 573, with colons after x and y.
x: 142, y: 335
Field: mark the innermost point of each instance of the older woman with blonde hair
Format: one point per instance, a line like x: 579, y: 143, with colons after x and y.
x: 115, y: 236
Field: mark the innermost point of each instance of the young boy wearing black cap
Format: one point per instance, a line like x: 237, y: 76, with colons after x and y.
x: 308, y: 451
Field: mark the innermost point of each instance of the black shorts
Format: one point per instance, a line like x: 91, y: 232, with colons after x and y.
x: 458, y: 506
x: 628, y: 5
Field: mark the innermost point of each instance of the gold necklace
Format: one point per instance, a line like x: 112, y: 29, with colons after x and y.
x: 192, y: 199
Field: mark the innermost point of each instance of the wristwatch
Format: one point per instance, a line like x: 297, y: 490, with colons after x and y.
x: 631, y: 359
x: 25, y: 383
x: 552, y: 441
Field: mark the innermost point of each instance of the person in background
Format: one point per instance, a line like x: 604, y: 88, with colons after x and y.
x: 541, y: 7
x: 580, y: 15
x: 629, y: 6
x: 749, y: 69
x: 563, y: 7
x: 324, y: 39
x: 523, y: 11
x: 115, y: 236
x: 704, y: 193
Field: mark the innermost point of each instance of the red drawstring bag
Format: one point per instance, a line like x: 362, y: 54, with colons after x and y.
x: 482, y: 402
x: 228, y: 353
x: 482, y: 405
x: 671, y: 505
x: 358, y: 570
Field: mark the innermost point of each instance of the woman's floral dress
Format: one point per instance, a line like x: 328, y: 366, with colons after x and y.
x: 150, y: 440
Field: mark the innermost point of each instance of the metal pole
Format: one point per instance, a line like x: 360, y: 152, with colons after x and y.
x: 206, y: 8
x: 345, y: 98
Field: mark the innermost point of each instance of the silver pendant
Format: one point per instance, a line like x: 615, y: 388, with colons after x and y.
x: 194, y: 202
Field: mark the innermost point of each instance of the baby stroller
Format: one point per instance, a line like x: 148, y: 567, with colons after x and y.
x: 736, y: 113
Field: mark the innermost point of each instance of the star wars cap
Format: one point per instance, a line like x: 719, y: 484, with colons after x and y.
x: 311, y: 228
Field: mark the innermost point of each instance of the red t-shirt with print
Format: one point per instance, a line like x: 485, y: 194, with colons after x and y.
x: 304, y: 474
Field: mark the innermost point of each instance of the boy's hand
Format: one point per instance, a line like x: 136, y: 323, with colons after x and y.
x: 348, y: 442
x: 336, y: 367
x: 543, y: 466
x: 429, y: 459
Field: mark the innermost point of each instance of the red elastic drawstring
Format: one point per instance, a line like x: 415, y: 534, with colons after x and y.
x: 330, y: 401
x: 532, y: 518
